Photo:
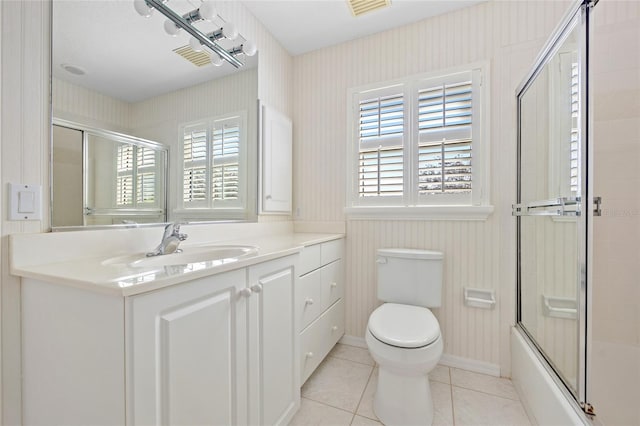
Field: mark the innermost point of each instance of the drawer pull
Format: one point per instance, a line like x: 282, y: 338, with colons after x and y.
x: 308, y: 302
x: 246, y: 292
x: 256, y: 288
x: 334, y: 328
x: 309, y: 355
x: 334, y: 285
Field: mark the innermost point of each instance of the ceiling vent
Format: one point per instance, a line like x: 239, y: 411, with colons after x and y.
x: 358, y: 7
x: 199, y: 59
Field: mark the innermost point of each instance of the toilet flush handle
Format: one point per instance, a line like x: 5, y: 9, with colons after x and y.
x: 381, y: 260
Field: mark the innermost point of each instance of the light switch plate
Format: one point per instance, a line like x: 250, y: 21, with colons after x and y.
x: 25, y: 202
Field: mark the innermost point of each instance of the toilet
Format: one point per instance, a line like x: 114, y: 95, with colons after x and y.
x: 403, y: 335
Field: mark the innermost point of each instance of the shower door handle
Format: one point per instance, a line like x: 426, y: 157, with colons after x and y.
x: 553, y: 207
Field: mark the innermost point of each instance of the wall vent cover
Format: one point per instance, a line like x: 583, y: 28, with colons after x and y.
x: 199, y: 59
x: 358, y: 7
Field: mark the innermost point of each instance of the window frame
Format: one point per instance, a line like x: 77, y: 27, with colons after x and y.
x: 210, y: 207
x: 411, y: 205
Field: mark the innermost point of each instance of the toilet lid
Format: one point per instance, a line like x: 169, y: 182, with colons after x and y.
x: 404, y: 326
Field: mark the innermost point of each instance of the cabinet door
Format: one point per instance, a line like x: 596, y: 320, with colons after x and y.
x: 273, y: 369
x: 186, y: 354
x: 276, y: 162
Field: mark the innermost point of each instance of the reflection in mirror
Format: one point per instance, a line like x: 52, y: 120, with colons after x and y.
x: 106, y: 178
x: 141, y: 82
x: 549, y: 130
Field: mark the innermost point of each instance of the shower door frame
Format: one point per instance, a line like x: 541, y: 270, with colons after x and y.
x: 580, y: 10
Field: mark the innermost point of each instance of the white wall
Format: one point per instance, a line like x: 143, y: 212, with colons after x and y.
x: 478, y: 253
x: 88, y: 107
x: 24, y: 156
x: 25, y: 135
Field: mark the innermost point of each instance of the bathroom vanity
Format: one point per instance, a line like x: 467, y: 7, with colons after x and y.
x: 207, y: 342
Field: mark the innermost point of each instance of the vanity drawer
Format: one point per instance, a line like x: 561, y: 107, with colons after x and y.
x: 317, y: 340
x: 332, y: 283
x: 310, y: 259
x: 309, y: 298
x: 331, y: 250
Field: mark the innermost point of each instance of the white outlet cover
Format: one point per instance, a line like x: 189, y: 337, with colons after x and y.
x: 25, y: 201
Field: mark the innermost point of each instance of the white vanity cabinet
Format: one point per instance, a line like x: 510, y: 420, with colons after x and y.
x: 273, y: 378
x: 319, y: 303
x: 214, y: 350
x: 187, y: 351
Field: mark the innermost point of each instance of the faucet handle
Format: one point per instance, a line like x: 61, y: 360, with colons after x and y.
x: 176, y: 232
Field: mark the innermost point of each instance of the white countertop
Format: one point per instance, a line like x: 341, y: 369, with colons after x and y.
x: 122, y: 279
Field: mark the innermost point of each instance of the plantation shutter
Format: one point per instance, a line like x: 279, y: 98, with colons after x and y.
x: 124, y: 174
x: 445, y: 115
x: 575, y: 108
x: 381, y: 129
x: 195, y: 165
x: 225, y: 159
x: 146, y: 175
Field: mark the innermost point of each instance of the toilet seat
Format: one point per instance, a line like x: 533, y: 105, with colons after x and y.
x: 404, y: 326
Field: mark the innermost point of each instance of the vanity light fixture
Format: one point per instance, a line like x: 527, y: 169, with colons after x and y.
x: 206, y: 12
x: 228, y: 31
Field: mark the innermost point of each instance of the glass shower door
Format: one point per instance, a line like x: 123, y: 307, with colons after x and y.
x: 551, y: 215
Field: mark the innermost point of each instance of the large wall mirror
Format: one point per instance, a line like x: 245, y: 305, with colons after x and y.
x: 146, y: 129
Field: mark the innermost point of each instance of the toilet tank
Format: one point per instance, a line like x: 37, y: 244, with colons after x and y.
x: 410, y: 277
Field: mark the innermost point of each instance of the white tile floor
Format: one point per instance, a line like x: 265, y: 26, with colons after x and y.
x: 340, y: 392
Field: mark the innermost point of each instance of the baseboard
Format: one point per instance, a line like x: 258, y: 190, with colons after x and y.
x: 353, y: 341
x: 470, y: 365
x: 448, y: 360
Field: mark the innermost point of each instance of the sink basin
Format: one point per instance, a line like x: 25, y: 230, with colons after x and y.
x: 195, y: 254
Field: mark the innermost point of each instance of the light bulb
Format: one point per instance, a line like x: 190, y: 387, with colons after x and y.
x: 195, y: 44
x: 249, y: 48
x: 230, y: 31
x: 171, y: 28
x: 142, y: 8
x: 207, y: 10
x: 216, y: 60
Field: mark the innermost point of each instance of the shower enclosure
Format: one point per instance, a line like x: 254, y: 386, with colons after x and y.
x: 579, y: 139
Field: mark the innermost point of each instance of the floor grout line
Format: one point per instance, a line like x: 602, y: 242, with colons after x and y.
x: 488, y: 393
x: 347, y: 359
x: 453, y: 408
x: 364, y: 390
x: 327, y: 405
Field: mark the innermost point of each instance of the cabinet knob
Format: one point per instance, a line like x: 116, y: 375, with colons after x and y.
x: 308, y: 302
x: 309, y: 355
x: 245, y: 292
x: 268, y: 197
x: 256, y: 288
x: 334, y: 285
x: 334, y: 328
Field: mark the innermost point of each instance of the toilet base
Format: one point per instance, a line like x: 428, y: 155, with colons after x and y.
x: 403, y: 400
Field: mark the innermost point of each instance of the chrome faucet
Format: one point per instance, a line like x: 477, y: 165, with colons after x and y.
x: 170, y: 240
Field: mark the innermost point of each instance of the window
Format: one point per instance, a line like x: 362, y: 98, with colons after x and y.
x: 564, y: 119
x: 213, y: 163
x: 135, y: 176
x: 419, y: 142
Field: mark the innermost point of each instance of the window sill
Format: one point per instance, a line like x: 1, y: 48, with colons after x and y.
x: 419, y: 213
x: 210, y: 214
